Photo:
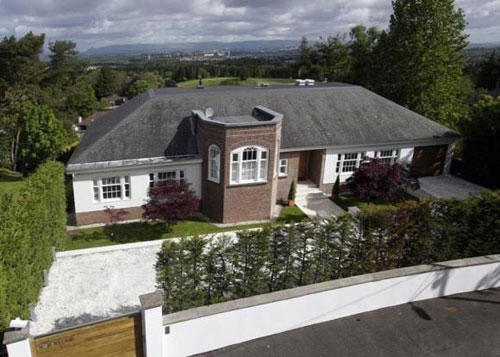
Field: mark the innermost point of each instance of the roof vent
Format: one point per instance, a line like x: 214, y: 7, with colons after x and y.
x: 209, y: 112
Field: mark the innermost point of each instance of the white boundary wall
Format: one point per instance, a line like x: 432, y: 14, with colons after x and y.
x: 212, y: 327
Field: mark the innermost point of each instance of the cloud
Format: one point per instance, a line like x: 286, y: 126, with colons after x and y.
x: 96, y: 23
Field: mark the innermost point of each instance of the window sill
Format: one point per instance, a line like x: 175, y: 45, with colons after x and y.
x: 256, y: 183
x: 214, y: 181
x: 112, y: 200
x: 282, y: 176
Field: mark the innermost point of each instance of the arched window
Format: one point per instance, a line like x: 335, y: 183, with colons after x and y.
x: 249, y: 164
x: 214, y: 163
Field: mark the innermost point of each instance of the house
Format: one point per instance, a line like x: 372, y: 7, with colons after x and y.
x: 84, y: 124
x: 240, y: 148
x: 115, y: 100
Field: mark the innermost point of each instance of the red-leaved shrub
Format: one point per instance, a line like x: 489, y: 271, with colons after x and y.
x: 171, y: 201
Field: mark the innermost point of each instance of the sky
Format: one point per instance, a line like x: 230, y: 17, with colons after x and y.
x: 96, y: 23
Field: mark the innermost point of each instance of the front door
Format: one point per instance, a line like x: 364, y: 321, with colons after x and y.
x: 303, y: 165
x: 428, y: 160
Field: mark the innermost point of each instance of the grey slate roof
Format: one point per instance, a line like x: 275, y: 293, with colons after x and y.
x: 158, y: 123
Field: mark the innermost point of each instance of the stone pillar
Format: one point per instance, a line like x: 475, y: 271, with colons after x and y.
x: 152, y: 323
x: 17, y: 342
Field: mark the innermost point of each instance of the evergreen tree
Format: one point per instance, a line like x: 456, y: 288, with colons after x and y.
x: 81, y: 99
x: 64, y: 65
x: 489, y: 72
x: 107, y: 83
x: 361, y: 45
x: 419, y: 62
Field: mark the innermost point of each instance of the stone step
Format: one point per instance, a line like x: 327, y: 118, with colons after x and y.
x: 309, y: 195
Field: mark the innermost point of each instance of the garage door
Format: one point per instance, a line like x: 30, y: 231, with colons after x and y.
x: 428, y: 160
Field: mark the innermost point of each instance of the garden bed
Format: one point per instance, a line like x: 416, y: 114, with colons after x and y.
x: 348, y: 200
x: 146, y: 231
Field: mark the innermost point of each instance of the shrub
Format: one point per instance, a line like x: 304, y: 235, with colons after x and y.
x: 31, y: 223
x: 195, y: 272
x: 374, y: 180
x: 171, y: 201
x: 293, y: 190
x: 336, y: 188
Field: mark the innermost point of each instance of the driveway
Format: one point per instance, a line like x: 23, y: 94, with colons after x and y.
x: 446, y: 186
x: 458, y: 325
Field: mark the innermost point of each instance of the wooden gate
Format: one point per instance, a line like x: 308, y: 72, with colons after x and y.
x: 428, y: 160
x: 115, y: 337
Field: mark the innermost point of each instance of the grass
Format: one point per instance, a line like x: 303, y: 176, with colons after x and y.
x: 146, y: 231
x: 346, y: 201
x: 10, y: 181
x: 214, y: 82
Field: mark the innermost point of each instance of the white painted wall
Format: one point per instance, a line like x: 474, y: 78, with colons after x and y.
x: 211, y: 332
x: 139, y: 184
x: 330, y: 176
x: 19, y: 349
x: 152, y: 324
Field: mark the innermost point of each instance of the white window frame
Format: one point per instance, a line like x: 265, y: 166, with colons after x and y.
x: 214, y: 153
x: 261, y: 165
x: 283, y: 164
x: 388, y: 157
x: 123, y: 183
x: 342, y: 162
x: 161, y: 176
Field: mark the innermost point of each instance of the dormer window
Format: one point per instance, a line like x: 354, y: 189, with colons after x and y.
x: 214, y: 163
x: 248, y: 165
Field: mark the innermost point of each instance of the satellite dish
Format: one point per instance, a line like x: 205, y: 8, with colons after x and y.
x: 209, y: 112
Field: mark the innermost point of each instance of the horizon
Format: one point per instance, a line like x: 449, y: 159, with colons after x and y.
x: 93, y: 24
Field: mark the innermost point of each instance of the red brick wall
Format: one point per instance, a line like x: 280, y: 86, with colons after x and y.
x: 224, y: 202
x: 84, y: 218
x: 293, y: 173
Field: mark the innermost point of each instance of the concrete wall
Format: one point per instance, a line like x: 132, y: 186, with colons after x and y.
x: 139, y: 184
x: 212, y: 327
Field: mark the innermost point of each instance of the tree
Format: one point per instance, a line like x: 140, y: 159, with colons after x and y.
x: 481, y: 143
x: 64, y: 65
x: 107, y: 83
x: 419, y: 62
x: 42, y: 136
x: 81, y: 99
x: 292, y: 192
x: 336, y: 188
x: 114, y: 215
x: 171, y: 201
x: 144, y: 82
x: 20, y: 63
x: 489, y: 72
x: 16, y: 101
x: 361, y: 45
x: 374, y: 180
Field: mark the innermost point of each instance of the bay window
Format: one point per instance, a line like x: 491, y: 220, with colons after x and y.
x: 111, y: 188
x: 249, y: 164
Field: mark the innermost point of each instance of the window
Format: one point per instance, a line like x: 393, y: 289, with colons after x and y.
x: 249, y: 164
x: 159, y: 177
x: 388, y: 157
x: 214, y: 163
x: 349, y: 162
x: 283, y: 167
x: 111, y: 188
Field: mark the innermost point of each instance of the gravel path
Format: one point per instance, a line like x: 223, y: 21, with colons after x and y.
x: 89, y: 287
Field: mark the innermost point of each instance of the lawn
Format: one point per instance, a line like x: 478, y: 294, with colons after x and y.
x: 146, y: 231
x: 346, y: 201
x: 10, y: 181
x: 214, y: 82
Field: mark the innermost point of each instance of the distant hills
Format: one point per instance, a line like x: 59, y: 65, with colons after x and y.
x: 137, y: 49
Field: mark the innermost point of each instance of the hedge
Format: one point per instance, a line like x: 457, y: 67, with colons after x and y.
x: 31, y: 222
x: 196, y: 271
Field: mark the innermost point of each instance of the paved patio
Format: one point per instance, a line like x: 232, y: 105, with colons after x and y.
x: 446, y: 186
x: 314, y: 203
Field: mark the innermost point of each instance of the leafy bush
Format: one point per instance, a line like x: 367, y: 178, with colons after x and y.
x: 31, y: 222
x: 293, y: 190
x: 374, y: 180
x: 171, y: 201
x: 194, y: 271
